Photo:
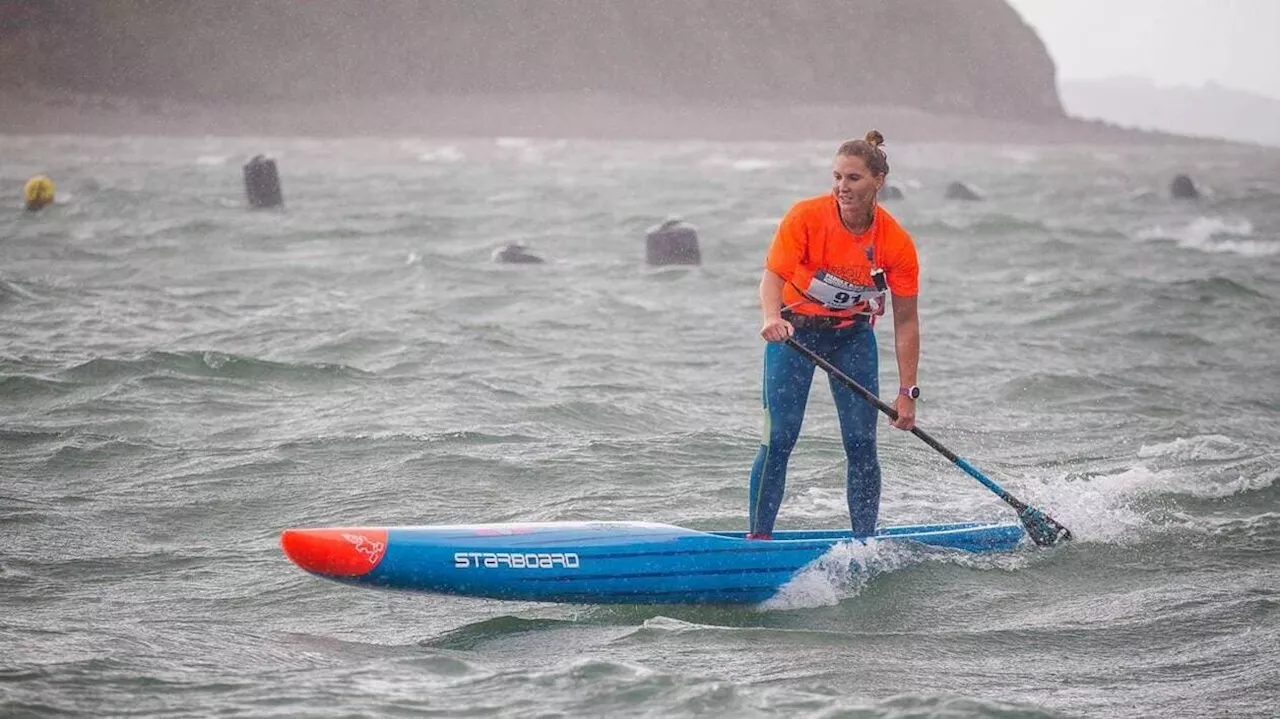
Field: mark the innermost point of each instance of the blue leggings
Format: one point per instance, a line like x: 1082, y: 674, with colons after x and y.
x: 787, y: 378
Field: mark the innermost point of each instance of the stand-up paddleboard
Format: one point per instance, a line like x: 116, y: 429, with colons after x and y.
x: 596, y: 562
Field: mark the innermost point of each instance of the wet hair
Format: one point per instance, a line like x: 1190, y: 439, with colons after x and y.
x: 869, y: 150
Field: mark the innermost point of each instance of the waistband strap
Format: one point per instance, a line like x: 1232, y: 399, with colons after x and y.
x: 823, y: 322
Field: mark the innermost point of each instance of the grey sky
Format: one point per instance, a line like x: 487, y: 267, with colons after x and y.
x: 1235, y: 43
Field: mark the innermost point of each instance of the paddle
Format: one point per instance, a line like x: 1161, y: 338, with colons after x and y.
x: 1043, y: 529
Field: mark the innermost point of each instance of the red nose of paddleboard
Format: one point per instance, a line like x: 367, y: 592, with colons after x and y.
x: 345, y: 552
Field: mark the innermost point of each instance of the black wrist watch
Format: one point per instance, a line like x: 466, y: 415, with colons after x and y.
x: 912, y: 392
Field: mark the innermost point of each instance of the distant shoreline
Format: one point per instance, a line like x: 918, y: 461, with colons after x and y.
x: 593, y: 117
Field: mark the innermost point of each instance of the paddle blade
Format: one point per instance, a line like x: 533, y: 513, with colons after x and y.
x: 1043, y: 529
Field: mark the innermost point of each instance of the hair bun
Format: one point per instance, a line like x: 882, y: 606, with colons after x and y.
x: 874, y: 138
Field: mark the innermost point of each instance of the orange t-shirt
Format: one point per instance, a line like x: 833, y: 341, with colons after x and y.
x: 812, y: 237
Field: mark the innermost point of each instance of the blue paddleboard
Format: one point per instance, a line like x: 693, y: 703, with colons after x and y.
x: 596, y: 562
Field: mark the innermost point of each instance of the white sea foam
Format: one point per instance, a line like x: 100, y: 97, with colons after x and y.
x: 514, y: 142
x: 1121, y: 507
x: 740, y: 164
x: 1042, y: 277
x: 445, y: 154
x: 1201, y: 447
x: 673, y: 626
x: 844, y: 570
x: 840, y: 573
x: 818, y: 503
x: 1020, y: 155
x: 1213, y: 235
x: 530, y: 150
x: 770, y: 222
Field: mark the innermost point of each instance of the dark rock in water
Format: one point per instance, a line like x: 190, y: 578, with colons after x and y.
x: 262, y: 183
x: 674, y: 242
x: 1184, y: 188
x: 961, y: 191
x: 515, y: 254
x: 891, y: 192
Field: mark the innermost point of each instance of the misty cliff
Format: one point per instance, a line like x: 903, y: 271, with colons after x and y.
x: 967, y: 57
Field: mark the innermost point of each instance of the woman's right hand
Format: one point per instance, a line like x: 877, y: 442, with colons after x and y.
x: 777, y: 329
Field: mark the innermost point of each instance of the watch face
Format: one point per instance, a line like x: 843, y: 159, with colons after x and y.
x: 913, y: 392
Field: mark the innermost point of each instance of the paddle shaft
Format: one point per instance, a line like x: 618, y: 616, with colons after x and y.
x: 869, y: 396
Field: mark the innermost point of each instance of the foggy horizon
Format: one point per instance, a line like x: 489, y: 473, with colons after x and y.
x: 1179, y: 44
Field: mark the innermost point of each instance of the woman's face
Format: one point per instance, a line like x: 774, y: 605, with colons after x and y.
x: 853, y: 185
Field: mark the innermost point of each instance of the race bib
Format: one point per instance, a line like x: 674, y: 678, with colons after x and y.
x: 835, y: 293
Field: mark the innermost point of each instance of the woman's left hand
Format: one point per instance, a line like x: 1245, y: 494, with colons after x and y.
x: 906, y: 408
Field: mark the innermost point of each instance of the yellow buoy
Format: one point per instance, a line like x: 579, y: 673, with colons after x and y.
x: 38, y: 192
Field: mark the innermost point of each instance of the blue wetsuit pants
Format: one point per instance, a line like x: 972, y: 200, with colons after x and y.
x: 787, y: 378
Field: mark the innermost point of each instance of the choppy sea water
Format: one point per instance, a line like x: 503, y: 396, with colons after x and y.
x: 181, y: 378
